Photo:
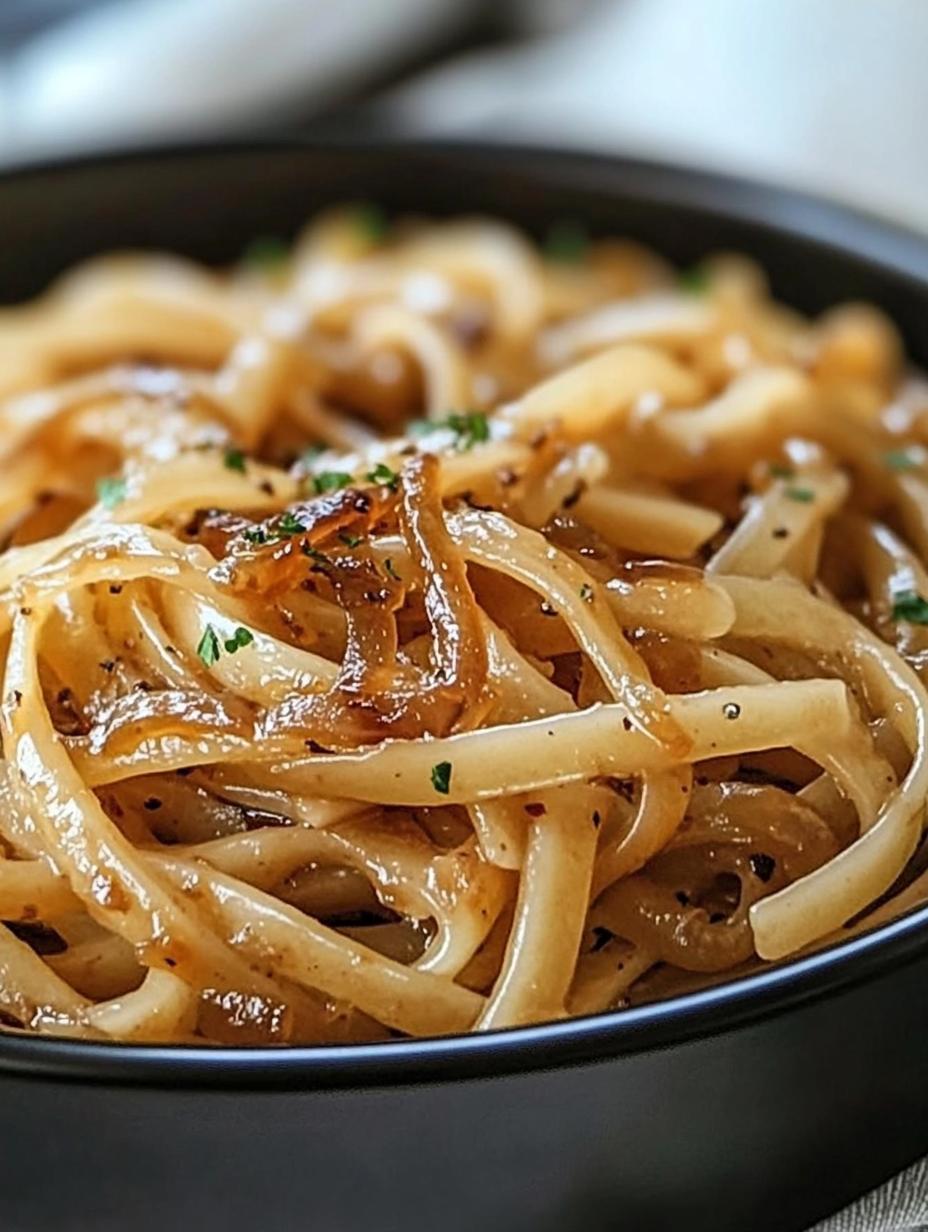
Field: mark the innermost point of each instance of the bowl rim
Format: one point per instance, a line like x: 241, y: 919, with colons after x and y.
x: 795, y: 215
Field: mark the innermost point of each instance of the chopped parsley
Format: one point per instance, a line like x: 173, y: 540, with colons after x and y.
x: 351, y: 541
x: 586, y: 592
x: 383, y: 474
x: 266, y: 252
x: 909, y: 605
x: 804, y: 495
x: 234, y: 460
x: 567, y: 242
x: 781, y: 470
x: 441, y: 777
x: 111, y: 491
x: 330, y: 481
x: 208, y: 649
x: 288, y: 524
x: 312, y: 452
x: 240, y: 638
x: 469, y: 427
x: 370, y: 222
x: 900, y: 460
x: 391, y: 572
x: 314, y: 554
x: 694, y: 281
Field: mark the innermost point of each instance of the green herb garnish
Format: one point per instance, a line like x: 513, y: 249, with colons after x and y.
x: 909, y: 605
x: 234, y: 460
x: 111, y: 491
x: 314, y: 554
x: 288, y: 524
x: 351, y: 541
x: 804, y: 495
x: 441, y: 777
x: 780, y: 470
x: 694, y: 281
x: 383, y: 474
x: 312, y: 452
x: 330, y: 481
x: 370, y: 222
x: 240, y: 638
x: 266, y: 252
x: 567, y: 242
x: 469, y: 427
x: 900, y: 460
x: 208, y: 649
x: 586, y: 592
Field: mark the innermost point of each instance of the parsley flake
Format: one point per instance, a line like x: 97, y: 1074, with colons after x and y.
x: 314, y: 554
x: 383, y: 474
x: 586, y: 592
x: 781, y: 470
x: 694, y: 281
x: 330, y: 481
x: 288, y: 524
x: 469, y: 427
x: 900, y: 460
x: 441, y: 777
x: 567, y: 242
x: 804, y: 495
x: 370, y: 222
x: 240, y: 638
x: 351, y: 541
x: 909, y: 605
x: 208, y: 649
x: 266, y: 252
x: 312, y: 452
x: 111, y: 491
x: 234, y: 460
x: 256, y: 535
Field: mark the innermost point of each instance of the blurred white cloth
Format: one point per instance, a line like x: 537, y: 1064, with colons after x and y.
x: 828, y: 95
x: 143, y: 69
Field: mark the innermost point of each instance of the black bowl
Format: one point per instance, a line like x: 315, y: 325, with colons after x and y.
x: 762, y: 1104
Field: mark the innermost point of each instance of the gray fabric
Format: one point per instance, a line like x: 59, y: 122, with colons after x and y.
x: 899, y: 1206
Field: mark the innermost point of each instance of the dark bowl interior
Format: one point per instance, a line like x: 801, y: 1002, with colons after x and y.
x: 208, y: 202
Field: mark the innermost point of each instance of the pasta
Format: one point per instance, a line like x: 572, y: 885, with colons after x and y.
x: 416, y: 630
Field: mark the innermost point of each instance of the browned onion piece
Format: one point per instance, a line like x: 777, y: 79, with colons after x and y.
x: 375, y: 695
x: 675, y: 931
x: 267, y: 559
x: 123, y: 724
x: 760, y: 816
